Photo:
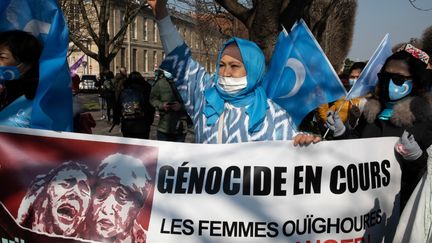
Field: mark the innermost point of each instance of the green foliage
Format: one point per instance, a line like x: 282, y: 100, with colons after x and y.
x: 347, y: 65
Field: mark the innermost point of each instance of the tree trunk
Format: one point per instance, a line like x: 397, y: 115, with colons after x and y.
x: 331, y: 22
x: 264, y: 33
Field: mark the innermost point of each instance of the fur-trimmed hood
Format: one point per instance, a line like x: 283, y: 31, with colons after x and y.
x: 405, y: 112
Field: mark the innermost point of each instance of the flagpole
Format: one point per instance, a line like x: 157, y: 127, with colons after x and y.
x: 337, y: 112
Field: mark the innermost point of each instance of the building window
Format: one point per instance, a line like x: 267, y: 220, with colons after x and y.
x: 145, y: 29
x: 133, y: 29
x: 123, y: 57
x: 134, y: 59
x: 109, y: 27
x: 122, y: 16
x: 145, y: 61
x: 155, y: 59
x: 113, y: 21
x: 74, y: 17
x: 155, y: 31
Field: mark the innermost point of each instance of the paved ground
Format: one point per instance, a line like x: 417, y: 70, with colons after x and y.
x: 90, y: 103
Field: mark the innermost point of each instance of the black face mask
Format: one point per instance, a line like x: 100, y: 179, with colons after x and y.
x: 9, y: 73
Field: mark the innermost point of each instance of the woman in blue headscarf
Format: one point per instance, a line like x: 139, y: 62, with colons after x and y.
x: 230, y: 106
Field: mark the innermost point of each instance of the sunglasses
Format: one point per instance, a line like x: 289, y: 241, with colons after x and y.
x: 397, y: 78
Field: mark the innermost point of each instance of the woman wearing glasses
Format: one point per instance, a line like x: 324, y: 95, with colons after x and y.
x: 400, y: 106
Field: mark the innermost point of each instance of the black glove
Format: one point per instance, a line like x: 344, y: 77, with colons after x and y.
x: 353, y: 116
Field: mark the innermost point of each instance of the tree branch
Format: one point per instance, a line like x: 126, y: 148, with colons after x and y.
x: 320, y: 25
x: 83, y: 48
x: 95, y: 8
x: 87, y: 23
x: 293, y: 12
x: 238, y: 10
x: 421, y: 9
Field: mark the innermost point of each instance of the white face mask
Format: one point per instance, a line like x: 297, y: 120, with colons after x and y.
x: 232, y: 85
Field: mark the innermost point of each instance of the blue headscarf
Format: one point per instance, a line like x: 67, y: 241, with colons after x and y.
x: 253, y: 95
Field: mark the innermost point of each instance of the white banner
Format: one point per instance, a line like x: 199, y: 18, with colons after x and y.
x: 333, y: 191
x: 338, y: 191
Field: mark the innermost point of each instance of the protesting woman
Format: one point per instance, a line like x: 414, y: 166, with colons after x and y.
x: 231, y: 105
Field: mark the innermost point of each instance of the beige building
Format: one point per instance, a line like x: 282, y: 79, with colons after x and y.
x: 142, y: 49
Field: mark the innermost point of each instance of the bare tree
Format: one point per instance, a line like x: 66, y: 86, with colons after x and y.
x: 412, y: 2
x: 88, y: 22
x: 426, y: 40
x: 209, y: 27
x: 331, y: 21
x: 215, y: 25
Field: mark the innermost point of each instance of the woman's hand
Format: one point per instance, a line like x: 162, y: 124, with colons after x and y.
x: 159, y: 8
x: 408, y: 147
x: 335, y: 124
x: 305, y: 139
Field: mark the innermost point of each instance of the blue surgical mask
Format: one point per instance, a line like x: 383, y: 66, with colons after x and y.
x: 9, y: 73
x: 351, y: 81
x: 167, y: 75
x: 397, y: 92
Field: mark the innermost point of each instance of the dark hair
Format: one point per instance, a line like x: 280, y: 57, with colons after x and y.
x: 357, y: 65
x: 417, y: 70
x: 25, y: 48
x: 108, y: 74
x: 158, y: 73
x: 135, y: 78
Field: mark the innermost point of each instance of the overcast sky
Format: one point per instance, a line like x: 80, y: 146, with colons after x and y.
x: 375, y: 18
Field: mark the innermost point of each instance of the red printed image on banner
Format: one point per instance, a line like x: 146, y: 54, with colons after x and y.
x: 75, y: 189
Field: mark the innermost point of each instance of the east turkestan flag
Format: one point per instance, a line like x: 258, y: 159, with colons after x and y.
x: 300, y: 77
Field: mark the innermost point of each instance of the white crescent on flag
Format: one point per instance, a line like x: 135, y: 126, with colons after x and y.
x: 300, y: 74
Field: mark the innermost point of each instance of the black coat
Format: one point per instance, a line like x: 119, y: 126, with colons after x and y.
x: 413, y: 114
x: 16, y: 88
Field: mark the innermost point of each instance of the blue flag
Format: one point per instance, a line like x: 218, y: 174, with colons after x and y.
x: 300, y: 77
x: 368, y: 77
x: 52, y: 106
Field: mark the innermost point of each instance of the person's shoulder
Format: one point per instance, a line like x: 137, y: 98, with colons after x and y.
x: 119, y: 76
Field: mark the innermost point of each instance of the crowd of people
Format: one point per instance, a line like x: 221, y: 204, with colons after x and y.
x: 230, y: 105
x: 131, y: 101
